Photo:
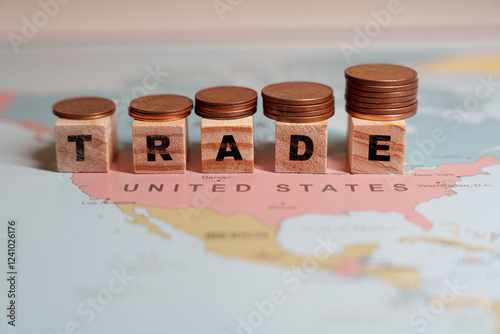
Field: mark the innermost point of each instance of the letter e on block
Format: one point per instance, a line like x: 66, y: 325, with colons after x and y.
x: 376, y: 147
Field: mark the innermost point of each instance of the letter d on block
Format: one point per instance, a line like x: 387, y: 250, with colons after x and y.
x: 294, y: 148
x: 301, y: 147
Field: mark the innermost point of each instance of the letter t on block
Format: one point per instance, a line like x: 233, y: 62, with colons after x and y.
x: 376, y: 147
x: 301, y: 147
x: 86, y: 145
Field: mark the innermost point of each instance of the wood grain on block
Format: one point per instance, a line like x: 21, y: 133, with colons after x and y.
x: 376, y: 147
x: 159, y: 147
x: 86, y: 145
x: 227, y: 145
x: 301, y: 147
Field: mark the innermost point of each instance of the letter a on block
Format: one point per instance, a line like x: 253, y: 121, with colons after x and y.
x: 234, y: 152
x: 227, y: 145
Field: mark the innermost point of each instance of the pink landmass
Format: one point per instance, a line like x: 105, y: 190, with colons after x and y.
x: 350, y: 267
x: 38, y: 128
x: 336, y: 192
x: 5, y: 100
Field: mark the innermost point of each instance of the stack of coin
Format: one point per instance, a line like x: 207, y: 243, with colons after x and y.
x: 226, y: 102
x: 381, y: 92
x: 160, y: 108
x: 83, y: 108
x: 298, y: 102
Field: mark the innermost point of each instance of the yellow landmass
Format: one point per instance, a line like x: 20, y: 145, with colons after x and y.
x: 496, y: 313
x: 141, y: 220
x: 483, y: 304
x: 455, y: 230
x: 242, y: 236
x: 446, y: 242
x: 407, y: 278
x: 482, y: 63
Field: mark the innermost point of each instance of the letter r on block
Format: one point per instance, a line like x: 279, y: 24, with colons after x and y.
x: 161, y: 148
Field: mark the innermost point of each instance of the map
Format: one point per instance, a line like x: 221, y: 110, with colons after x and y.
x: 120, y: 252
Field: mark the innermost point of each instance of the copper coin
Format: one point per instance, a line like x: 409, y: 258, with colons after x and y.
x: 252, y: 104
x: 157, y: 108
x: 303, y: 119
x: 225, y: 114
x: 298, y: 113
x: 377, y: 100
x: 384, y: 95
x: 84, y: 108
x: 378, y: 117
x: 292, y: 108
x: 378, y: 105
x: 380, y: 74
x: 384, y: 89
x: 297, y: 93
x: 149, y: 118
x: 225, y: 117
x: 383, y: 111
x: 166, y: 103
x: 226, y: 95
x: 212, y: 110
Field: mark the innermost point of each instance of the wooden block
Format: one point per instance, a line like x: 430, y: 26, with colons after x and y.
x: 86, y: 145
x: 159, y: 147
x: 376, y: 147
x: 227, y: 145
x: 301, y: 147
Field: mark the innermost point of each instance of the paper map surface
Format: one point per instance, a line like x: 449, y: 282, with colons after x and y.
x: 252, y: 253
